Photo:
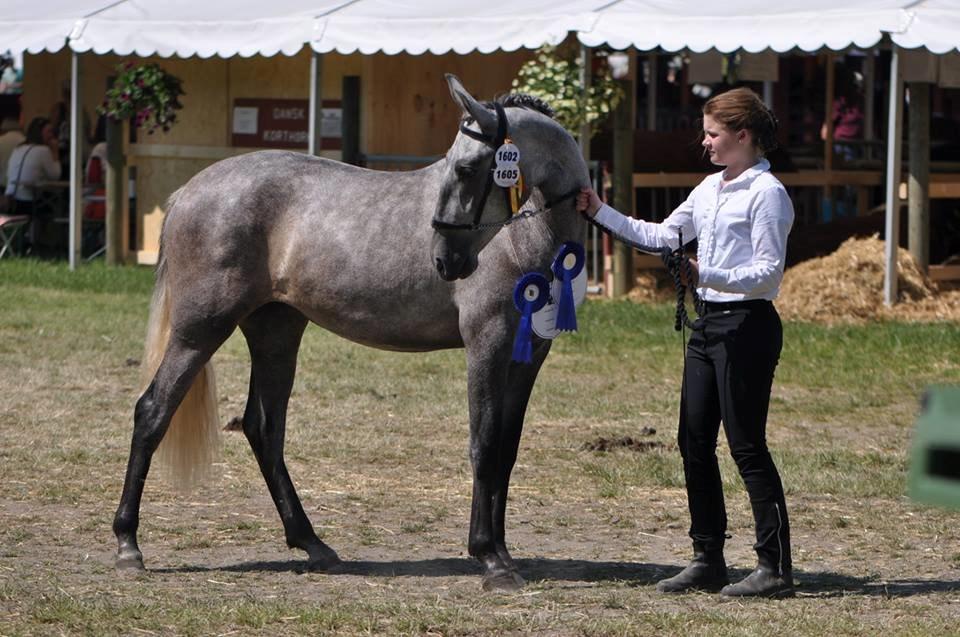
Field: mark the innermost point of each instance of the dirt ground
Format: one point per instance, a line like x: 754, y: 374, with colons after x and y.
x: 377, y: 445
x: 590, y: 563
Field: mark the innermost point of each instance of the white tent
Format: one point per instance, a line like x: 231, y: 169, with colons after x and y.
x: 250, y: 27
x: 752, y: 25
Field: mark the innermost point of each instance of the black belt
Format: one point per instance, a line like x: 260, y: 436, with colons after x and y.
x: 753, y: 304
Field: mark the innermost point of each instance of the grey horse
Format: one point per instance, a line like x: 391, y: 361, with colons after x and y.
x: 273, y: 240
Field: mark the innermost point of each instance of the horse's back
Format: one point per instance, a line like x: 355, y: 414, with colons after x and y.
x: 344, y: 245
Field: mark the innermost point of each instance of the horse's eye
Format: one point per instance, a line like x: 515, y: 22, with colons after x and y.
x: 465, y: 170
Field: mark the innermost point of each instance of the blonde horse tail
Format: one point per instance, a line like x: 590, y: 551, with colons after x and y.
x: 192, y: 442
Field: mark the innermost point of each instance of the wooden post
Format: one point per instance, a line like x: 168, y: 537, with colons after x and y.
x: 828, y: 141
x: 315, y: 136
x: 828, y: 109
x: 623, y: 187
x: 869, y: 86
x: 115, y: 191
x: 586, y: 59
x: 350, y: 102
x: 918, y: 193
x: 652, y: 77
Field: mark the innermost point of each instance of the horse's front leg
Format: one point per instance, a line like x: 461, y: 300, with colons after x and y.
x: 493, y: 449
x: 520, y: 380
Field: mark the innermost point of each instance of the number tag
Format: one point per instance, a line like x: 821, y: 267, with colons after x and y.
x: 506, y: 176
x: 507, y: 170
x: 508, y: 154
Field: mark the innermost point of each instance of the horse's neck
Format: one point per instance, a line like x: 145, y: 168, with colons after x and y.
x: 534, y: 242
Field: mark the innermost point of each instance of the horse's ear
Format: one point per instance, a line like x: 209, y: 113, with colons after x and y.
x: 470, y: 106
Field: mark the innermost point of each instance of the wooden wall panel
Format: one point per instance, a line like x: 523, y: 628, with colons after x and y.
x: 407, y: 108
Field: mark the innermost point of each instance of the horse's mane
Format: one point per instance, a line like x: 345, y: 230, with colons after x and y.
x: 523, y: 100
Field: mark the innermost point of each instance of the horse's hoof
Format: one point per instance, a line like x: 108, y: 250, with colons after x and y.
x: 132, y: 561
x: 325, y: 561
x: 503, y: 582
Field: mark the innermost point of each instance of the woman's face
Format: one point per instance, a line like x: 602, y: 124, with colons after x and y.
x: 47, y: 133
x: 724, y: 146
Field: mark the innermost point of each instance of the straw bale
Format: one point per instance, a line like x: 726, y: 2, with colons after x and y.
x: 841, y: 288
x: 847, y: 287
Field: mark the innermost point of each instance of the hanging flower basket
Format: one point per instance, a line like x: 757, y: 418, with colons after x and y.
x: 145, y: 94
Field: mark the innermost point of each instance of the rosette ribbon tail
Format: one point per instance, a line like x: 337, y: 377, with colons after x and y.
x: 523, y: 343
x: 567, y: 265
x: 530, y: 295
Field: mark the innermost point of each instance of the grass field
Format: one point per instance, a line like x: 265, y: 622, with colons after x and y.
x: 377, y: 445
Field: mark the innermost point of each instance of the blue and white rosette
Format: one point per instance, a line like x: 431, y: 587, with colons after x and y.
x: 530, y: 295
x: 567, y: 265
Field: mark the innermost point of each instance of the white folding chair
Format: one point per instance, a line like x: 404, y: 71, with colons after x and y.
x: 10, y: 227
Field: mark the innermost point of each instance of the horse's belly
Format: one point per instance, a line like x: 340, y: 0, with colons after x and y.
x: 390, y: 328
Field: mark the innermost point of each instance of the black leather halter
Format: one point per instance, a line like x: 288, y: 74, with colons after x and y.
x: 494, y: 142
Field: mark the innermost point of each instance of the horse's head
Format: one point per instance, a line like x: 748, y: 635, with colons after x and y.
x: 471, y: 205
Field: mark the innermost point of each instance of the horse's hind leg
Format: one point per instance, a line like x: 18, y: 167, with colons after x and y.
x: 154, y: 410
x: 273, y: 335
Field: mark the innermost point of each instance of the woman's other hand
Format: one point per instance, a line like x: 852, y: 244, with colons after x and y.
x: 588, y: 202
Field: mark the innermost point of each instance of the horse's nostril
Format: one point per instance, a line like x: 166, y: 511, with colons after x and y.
x: 439, y: 264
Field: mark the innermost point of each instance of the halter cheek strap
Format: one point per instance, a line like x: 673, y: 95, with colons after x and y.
x: 494, y: 142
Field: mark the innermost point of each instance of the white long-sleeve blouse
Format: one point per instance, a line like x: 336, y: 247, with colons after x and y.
x: 741, y: 231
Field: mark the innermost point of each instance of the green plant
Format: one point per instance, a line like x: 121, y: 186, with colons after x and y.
x: 145, y: 94
x: 555, y: 76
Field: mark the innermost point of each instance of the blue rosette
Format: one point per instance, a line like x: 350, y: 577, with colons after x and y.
x: 567, y: 265
x: 530, y: 295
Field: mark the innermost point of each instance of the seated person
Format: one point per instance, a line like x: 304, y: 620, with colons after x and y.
x: 33, y: 161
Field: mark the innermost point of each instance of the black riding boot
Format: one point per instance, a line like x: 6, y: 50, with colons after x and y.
x: 765, y: 581
x: 707, y: 571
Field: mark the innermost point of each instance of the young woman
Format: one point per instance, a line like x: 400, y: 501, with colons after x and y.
x: 740, y: 217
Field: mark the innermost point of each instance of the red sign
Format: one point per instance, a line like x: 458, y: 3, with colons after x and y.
x: 282, y: 123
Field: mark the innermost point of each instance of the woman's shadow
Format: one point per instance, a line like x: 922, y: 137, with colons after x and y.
x: 809, y: 583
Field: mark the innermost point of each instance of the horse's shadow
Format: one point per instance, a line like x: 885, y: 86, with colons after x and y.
x: 822, y: 584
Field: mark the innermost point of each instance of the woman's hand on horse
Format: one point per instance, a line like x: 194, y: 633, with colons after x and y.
x: 588, y: 202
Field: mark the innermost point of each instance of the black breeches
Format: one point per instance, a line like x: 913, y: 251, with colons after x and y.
x: 727, y: 377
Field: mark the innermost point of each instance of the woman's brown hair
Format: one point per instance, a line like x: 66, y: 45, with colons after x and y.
x: 742, y: 109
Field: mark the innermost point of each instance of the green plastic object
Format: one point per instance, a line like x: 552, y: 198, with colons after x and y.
x: 935, y: 460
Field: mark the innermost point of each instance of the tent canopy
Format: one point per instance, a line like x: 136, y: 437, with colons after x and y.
x: 753, y: 25
x: 252, y: 27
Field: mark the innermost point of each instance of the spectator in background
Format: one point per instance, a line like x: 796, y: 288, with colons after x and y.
x: 11, y: 80
x: 95, y: 176
x: 847, y: 114
x: 10, y: 137
x: 32, y: 161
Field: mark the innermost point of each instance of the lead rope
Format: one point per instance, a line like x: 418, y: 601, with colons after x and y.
x: 675, y: 262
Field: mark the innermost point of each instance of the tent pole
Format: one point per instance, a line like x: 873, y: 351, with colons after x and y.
x: 768, y: 93
x: 892, y: 222
x: 315, y: 135
x: 74, y: 210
